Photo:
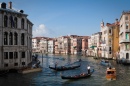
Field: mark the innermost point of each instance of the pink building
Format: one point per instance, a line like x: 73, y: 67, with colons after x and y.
x: 76, y: 44
x: 84, y: 44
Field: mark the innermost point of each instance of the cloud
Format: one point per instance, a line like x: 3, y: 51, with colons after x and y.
x: 41, y: 30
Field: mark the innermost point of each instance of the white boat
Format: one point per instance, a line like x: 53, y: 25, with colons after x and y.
x: 105, y: 63
x: 29, y: 70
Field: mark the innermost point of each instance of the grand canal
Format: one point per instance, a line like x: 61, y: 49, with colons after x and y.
x: 48, y: 77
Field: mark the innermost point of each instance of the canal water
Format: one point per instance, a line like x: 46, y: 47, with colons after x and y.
x: 48, y: 77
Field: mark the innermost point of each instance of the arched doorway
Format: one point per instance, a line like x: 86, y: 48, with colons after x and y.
x: 127, y: 55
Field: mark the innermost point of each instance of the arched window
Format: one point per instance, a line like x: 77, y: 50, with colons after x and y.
x: 11, y: 22
x: 15, y: 22
x: 15, y: 38
x: 5, y: 21
x: 127, y: 55
x: 22, y: 39
x: 22, y: 23
x: 5, y: 38
x: 10, y: 38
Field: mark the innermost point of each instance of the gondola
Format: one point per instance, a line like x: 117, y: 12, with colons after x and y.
x: 62, y: 68
x: 80, y: 76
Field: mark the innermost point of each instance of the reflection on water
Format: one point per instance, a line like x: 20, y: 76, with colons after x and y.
x: 48, y: 77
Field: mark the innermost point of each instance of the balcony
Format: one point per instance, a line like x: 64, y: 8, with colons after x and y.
x: 124, y: 30
x: 127, y: 30
x: 124, y: 41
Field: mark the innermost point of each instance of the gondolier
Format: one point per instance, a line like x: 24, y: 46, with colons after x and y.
x: 56, y: 64
x: 88, y: 69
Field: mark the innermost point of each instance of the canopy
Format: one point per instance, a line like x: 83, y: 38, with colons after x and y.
x: 93, y: 47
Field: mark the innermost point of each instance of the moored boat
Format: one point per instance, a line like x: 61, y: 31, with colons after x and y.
x: 111, y: 74
x: 80, y: 76
x: 29, y: 70
x: 62, y: 68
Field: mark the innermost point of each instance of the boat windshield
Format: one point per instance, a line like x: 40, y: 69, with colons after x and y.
x: 110, y: 72
x: 106, y: 61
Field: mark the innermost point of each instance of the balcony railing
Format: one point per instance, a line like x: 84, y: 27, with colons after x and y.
x: 127, y: 30
x: 124, y: 30
x: 124, y: 41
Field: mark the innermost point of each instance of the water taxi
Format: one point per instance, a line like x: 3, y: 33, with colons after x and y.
x: 111, y: 74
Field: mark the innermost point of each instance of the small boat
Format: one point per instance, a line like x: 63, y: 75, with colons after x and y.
x: 29, y: 70
x: 62, y: 68
x: 105, y: 63
x: 111, y: 74
x: 80, y: 76
x: 96, y: 58
x: 125, y: 62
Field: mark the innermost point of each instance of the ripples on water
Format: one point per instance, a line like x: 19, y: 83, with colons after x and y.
x: 48, y: 77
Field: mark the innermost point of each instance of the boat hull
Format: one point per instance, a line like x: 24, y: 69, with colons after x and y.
x: 81, y: 76
x: 25, y: 71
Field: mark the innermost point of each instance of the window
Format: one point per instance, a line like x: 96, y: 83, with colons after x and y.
x: 5, y: 38
x: 10, y: 39
x: 23, y: 55
x: 109, y: 48
x: 10, y: 55
x: 15, y: 64
x: 11, y: 22
x: 126, y: 18
x: 5, y: 55
x: 127, y: 55
x: 15, y: 38
x: 22, y: 23
x: 23, y: 63
x: 5, y: 21
x: 110, y: 31
x: 22, y: 39
x: 15, y: 55
x: 5, y: 65
x: 127, y: 26
x: 127, y: 46
x: 15, y: 22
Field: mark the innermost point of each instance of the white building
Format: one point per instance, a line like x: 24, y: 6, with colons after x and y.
x: 106, y: 47
x: 124, y: 38
x: 36, y: 44
x: 94, y: 45
x: 43, y: 45
x: 15, y: 38
x: 51, y: 46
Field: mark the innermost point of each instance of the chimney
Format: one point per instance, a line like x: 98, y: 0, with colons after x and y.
x: 3, y: 5
x: 10, y: 5
x: 116, y: 22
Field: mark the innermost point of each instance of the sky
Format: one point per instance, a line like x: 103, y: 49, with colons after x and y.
x: 55, y: 18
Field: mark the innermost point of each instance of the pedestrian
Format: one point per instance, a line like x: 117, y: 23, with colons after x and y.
x: 88, y: 69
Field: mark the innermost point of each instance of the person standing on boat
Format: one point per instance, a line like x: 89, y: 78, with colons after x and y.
x: 56, y: 64
x: 88, y: 69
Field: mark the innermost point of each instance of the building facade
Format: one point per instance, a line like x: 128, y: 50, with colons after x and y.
x: 94, y: 43
x: 51, y: 44
x: 106, y: 37
x: 15, y: 37
x: 124, y: 35
x: 76, y: 44
x: 84, y: 45
x: 110, y: 39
